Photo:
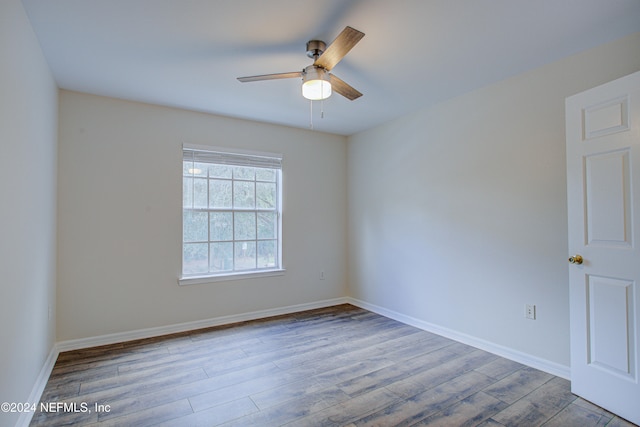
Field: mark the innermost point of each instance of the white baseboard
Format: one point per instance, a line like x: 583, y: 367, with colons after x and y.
x: 553, y: 368
x: 190, y: 326
x: 38, y: 387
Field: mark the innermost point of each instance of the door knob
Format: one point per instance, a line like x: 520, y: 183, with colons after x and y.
x: 576, y: 259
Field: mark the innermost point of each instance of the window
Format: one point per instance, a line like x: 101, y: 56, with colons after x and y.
x: 231, y: 219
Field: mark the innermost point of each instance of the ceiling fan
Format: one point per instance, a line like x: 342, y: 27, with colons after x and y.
x: 318, y: 83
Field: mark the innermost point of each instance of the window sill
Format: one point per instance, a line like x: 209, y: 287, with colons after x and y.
x: 195, y: 280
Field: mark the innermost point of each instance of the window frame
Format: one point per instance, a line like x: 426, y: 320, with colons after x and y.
x: 233, y: 157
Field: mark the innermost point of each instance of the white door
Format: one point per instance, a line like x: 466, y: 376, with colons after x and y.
x: 603, y: 192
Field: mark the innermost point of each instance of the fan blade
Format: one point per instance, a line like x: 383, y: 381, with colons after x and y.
x: 338, y: 85
x: 271, y: 76
x: 345, y: 41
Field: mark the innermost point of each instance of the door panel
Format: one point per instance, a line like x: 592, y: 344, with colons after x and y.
x: 610, y: 332
x: 606, y: 117
x: 608, y: 204
x: 603, y: 201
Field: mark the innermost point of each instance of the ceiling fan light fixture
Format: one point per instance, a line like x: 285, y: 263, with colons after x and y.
x: 315, y: 84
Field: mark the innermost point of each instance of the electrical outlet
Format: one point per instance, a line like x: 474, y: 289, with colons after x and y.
x: 530, y: 311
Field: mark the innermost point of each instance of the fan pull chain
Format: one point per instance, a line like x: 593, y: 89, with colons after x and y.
x: 322, y: 100
x: 311, y: 112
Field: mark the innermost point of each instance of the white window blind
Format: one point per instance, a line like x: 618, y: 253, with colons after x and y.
x: 250, y: 159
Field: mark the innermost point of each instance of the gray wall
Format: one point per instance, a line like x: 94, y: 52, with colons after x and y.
x: 457, y: 213
x: 28, y: 135
x: 119, y: 222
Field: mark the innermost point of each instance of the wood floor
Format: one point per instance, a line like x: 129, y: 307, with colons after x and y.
x: 339, y: 366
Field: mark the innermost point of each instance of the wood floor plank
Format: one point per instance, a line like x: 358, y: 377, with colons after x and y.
x: 397, y: 372
x: 410, y: 411
x: 216, y: 415
x: 539, y: 406
x: 294, y: 409
x: 113, y: 396
x: 348, y: 411
x: 440, y: 373
x: 469, y: 412
x: 243, y: 389
x: 181, y: 361
x: 417, y: 346
x: 164, y: 395
x: 286, y: 392
x: 354, y: 370
x: 339, y: 366
x: 349, y: 347
x: 139, y: 384
x: 576, y: 415
x: 500, y: 368
x: 513, y: 387
x: 60, y: 393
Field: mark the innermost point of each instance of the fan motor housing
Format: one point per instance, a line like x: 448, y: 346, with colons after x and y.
x: 315, y: 48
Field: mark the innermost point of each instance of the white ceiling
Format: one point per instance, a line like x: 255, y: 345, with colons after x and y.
x: 188, y: 53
